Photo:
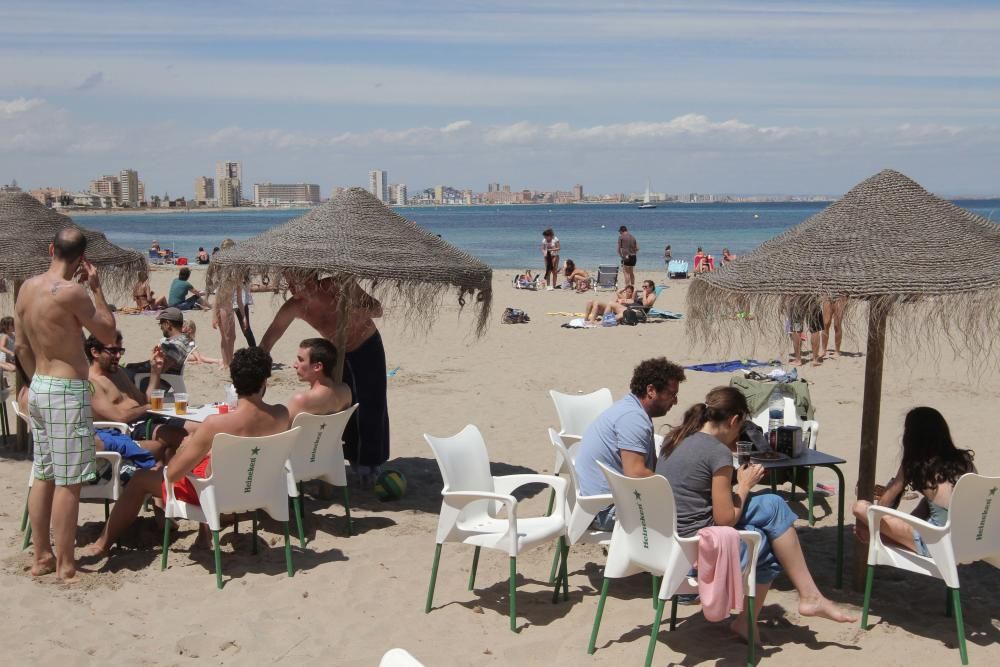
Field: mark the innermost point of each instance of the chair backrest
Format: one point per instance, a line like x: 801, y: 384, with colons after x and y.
x: 176, y: 383
x: 319, y: 450
x: 975, y: 518
x: 577, y: 411
x: 677, y: 266
x: 607, y: 276
x: 646, y: 518
x: 463, y: 460
x: 249, y: 472
x: 565, y: 458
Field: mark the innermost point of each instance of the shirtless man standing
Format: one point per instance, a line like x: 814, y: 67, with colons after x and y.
x: 314, y: 364
x: 51, y: 312
x: 252, y: 417
x: 316, y: 302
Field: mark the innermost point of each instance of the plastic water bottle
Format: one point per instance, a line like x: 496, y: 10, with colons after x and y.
x: 775, y: 417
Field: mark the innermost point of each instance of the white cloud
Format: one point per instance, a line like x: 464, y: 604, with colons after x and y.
x: 19, y: 105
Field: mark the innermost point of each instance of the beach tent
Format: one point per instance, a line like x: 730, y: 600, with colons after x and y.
x: 27, y: 227
x: 920, y: 265
x: 357, y: 238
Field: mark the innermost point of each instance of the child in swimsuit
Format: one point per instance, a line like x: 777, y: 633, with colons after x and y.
x: 931, y: 466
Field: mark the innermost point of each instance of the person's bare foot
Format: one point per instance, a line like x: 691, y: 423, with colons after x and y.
x: 835, y: 354
x: 818, y: 361
x: 94, y: 550
x: 46, y: 564
x: 739, y: 626
x: 825, y: 609
x: 798, y: 362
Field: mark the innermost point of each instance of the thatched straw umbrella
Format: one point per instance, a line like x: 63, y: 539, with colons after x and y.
x: 355, y: 237
x: 27, y: 227
x: 889, y: 243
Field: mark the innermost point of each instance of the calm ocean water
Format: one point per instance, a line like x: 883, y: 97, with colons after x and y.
x: 510, y: 236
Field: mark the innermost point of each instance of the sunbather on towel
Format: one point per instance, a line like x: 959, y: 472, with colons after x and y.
x: 644, y: 300
x: 595, y: 309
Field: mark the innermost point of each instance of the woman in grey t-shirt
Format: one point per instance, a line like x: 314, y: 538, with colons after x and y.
x: 697, y: 461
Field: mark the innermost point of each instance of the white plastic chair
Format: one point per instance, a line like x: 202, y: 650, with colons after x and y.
x: 318, y: 454
x: 972, y: 533
x: 576, y: 412
x: 248, y: 473
x: 472, y: 499
x: 106, y: 490
x: 397, y: 657
x: 645, y: 539
x: 810, y: 435
x: 580, y: 509
x: 175, y: 381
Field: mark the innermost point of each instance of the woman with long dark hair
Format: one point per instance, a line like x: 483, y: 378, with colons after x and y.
x: 550, y: 253
x: 697, y: 460
x: 931, y: 465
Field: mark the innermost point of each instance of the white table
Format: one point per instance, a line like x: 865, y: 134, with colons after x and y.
x: 193, y: 414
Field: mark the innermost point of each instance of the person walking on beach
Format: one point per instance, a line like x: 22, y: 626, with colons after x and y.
x: 50, y: 314
x: 628, y: 250
x: 317, y: 303
x: 833, y: 320
x: 550, y: 253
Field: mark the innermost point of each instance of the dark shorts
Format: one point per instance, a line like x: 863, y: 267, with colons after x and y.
x: 628, y: 260
x: 366, y: 439
x: 143, y: 430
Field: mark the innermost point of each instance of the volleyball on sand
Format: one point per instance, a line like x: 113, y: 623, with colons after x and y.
x: 390, y: 485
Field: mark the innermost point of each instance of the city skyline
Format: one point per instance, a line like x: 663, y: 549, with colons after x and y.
x: 756, y: 98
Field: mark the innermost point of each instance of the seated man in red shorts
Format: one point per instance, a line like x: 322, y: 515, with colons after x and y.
x: 252, y: 417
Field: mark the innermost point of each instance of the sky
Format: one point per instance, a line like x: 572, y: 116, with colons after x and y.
x: 703, y: 96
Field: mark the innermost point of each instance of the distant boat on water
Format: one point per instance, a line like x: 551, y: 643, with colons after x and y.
x: 645, y: 200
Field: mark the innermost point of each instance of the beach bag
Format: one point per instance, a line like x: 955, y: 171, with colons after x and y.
x: 609, y: 320
x: 514, y: 316
x: 632, y: 316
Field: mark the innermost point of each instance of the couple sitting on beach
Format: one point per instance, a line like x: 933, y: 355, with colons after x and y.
x: 626, y: 299
x: 249, y: 370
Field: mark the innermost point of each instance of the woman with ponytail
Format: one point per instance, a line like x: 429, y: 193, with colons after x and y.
x: 697, y: 460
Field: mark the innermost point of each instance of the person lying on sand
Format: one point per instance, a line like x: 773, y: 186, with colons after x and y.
x: 594, y: 310
x: 252, y: 417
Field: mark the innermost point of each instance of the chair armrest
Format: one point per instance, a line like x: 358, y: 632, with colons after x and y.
x: 121, y: 426
x: 875, y: 513
x: 508, y: 483
x: 594, y: 504
x: 812, y: 426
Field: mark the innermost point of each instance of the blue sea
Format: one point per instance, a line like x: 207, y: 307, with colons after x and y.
x: 510, y: 236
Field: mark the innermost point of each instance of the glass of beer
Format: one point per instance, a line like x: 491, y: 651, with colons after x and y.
x: 156, y: 399
x: 181, y: 404
x: 744, y: 449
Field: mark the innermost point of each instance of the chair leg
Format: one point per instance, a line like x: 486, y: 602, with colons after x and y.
x: 166, y: 544
x: 791, y: 483
x: 597, y: 617
x: 475, y: 566
x: 24, y: 516
x: 297, y: 504
x: 673, y: 612
x: 552, y: 502
x: 513, y: 594
x: 253, y: 536
x: 656, y: 630
x: 347, y: 511
x: 751, y: 631
x: 656, y: 589
x: 959, y: 624
x: 868, y: 597
x: 809, y: 495
x: 555, y: 577
x: 218, y: 559
x: 434, y: 574
x: 27, y: 538
x: 565, y: 570
x: 556, y: 555
x: 288, y: 551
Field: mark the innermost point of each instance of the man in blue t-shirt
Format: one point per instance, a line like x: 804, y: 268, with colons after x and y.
x: 179, y: 289
x: 622, y: 436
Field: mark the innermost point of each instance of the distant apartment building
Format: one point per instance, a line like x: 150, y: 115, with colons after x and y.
x: 281, y: 194
x: 204, y: 189
x: 13, y: 188
x: 378, y: 184
x: 467, y: 197
x: 107, y: 186
x: 142, y: 193
x: 493, y: 187
x: 50, y: 196
x: 577, y: 192
x: 129, y: 180
x: 438, y: 194
x: 398, y: 193
x: 229, y: 192
x: 233, y: 171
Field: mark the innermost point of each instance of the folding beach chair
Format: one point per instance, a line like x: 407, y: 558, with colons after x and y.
x: 154, y: 257
x: 607, y: 277
x: 677, y: 268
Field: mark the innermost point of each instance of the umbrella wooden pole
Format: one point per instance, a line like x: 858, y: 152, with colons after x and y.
x: 870, y: 413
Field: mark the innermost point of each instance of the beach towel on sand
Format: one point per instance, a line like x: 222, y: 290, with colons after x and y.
x: 663, y: 314
x: 720, y: 581
x: 727, y: 366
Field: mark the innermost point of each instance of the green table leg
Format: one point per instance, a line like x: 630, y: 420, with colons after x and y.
x: 809, y: 495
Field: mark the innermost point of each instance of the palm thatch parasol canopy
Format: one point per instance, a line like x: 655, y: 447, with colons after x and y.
x: 920, y: 263
x: 357, y: 237
x: 27, y: 227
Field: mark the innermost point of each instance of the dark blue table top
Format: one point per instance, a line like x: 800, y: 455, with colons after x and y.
x: 810, y: 457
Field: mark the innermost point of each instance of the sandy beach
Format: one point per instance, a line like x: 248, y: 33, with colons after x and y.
x: 353, y: 598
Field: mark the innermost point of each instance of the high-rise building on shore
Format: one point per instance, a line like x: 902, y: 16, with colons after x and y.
x: 142, y: 193
x: 279, y: 194
x: 398, y: 193
x: 577, y: 192
x: 129, y: 179
x: 233, y: 171
x: 229, y: 192
x: 378, y: 184
x: 107, y: 186
x: 204, y: 189
x: 438, y: 194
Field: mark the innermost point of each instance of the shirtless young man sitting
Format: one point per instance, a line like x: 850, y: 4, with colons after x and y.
x: 314, y: 364
x: 115, y: 398
x: 252, y: 417
x: 50, y: 314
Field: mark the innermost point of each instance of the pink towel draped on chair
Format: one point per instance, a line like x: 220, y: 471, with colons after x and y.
x: 720, y: 580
